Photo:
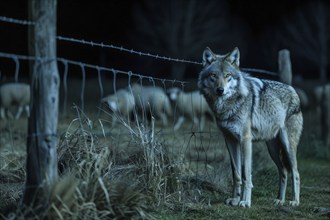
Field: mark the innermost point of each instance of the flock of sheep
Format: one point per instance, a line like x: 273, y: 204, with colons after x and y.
x: 155, y: 101
x: 147, y: 100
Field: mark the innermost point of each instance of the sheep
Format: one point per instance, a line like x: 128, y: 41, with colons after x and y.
x: 191, y: 104
x: 122, y: 103
x: 152, y: 99
x: 14, y: 95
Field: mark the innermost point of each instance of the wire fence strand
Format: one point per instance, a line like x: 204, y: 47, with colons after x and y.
x: 87, y: 65
x: 123, y: 49
x: 16, y: 21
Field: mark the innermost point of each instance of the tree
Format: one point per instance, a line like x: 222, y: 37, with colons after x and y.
x: 307, y: 32
x: 41, y: 168
x: 181, y: 29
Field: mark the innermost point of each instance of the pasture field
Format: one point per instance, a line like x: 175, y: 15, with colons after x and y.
x: 145, y: 170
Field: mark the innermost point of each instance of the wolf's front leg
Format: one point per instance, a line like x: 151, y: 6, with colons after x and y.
x: 235, y: 159
x: 247, y: 172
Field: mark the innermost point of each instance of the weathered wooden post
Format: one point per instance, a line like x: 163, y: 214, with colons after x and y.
x: 41, y: 167
x: 284, y: 66
x: 325, y: 114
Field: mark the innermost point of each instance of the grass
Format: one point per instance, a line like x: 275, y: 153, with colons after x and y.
x: 146, y: 171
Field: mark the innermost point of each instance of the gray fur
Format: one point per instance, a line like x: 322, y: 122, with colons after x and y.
x: 248, y: 109
x: 14, y: 95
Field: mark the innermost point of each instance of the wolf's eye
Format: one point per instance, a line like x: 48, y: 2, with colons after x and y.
x: 226, y: 75
x: 212, y: 76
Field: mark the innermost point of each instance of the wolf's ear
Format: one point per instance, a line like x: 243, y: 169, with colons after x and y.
x: 233, y: 57
x: 208, y: 57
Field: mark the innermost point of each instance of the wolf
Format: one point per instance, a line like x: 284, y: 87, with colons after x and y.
x: 249, y: 109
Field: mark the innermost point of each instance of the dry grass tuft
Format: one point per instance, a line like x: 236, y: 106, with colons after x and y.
x: 104, y: 188
x: 12, y: 167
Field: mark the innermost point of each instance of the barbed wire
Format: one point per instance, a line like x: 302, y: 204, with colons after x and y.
x: 259, y: 71
x: 16, y: 21
x: 123, y: 49
x: 120, y: 48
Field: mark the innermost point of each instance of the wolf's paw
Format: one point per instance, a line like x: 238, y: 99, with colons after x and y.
x: 293, y: 203
x: 278, y: 202
x: 245, y: 204
x: 232, y: 201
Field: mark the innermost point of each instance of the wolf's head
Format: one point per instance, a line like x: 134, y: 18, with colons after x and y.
x: 220, y: 74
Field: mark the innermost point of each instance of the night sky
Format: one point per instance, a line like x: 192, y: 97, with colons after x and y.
x: 112, y: 22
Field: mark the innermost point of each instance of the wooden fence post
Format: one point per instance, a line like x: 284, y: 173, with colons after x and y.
x: 41, y: 167
x: 325, y: 114
x: 284, y: 66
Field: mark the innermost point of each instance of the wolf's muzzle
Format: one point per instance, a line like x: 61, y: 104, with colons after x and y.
x: 219, y: 91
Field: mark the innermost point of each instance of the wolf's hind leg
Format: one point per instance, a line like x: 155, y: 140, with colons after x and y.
x: 274, y: 148
x: 236, y: 165
x: 292, y: 163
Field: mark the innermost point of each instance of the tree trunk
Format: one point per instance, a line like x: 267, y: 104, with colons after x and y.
x: 41, y: 168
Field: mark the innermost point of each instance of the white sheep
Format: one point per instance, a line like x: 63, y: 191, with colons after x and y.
x: 190, y: 104
x: 153, y: 100
x: 122, y: 103
x: 14, y: 95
